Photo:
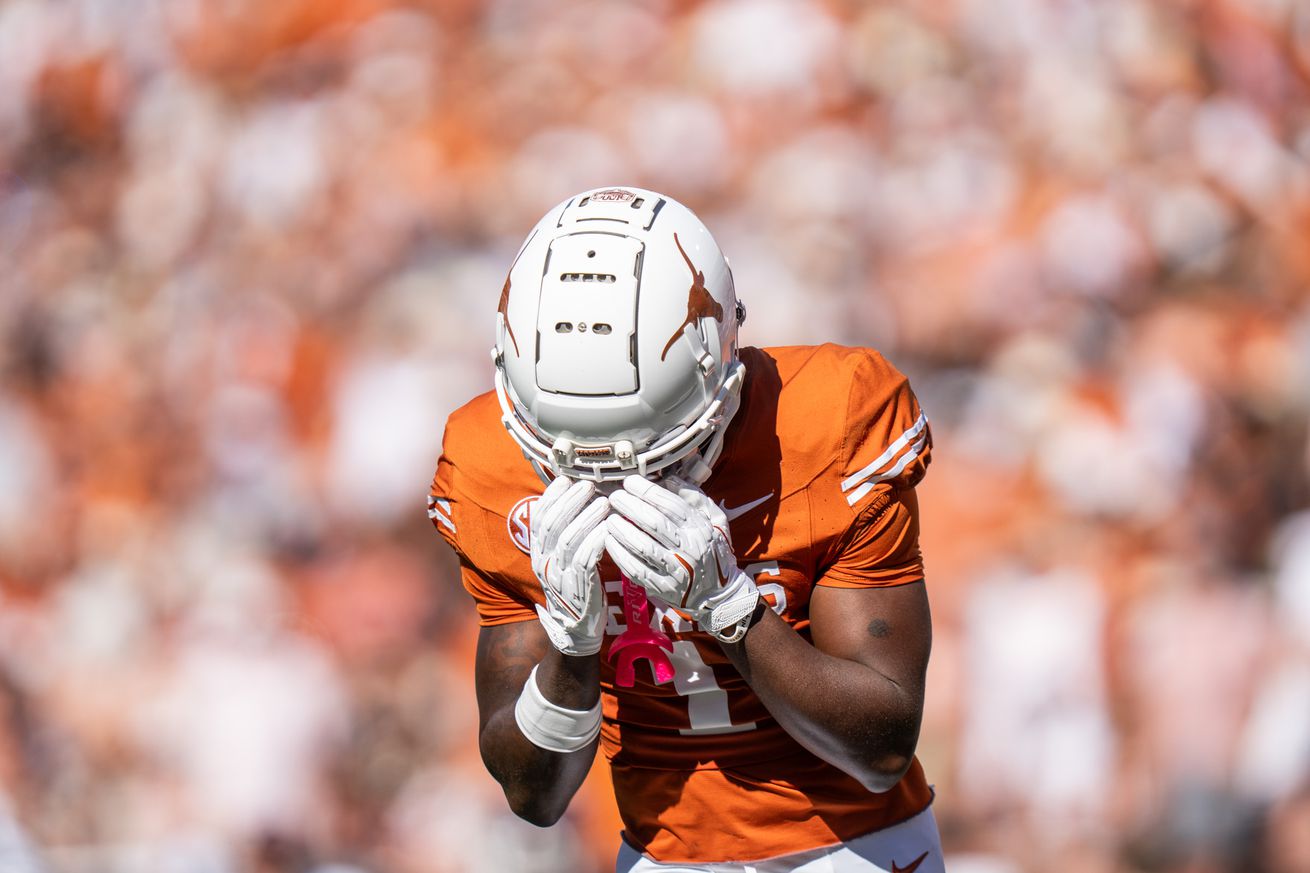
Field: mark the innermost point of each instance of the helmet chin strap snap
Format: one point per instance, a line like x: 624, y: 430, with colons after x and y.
x: 561, y: 455
x: 625, y: 453
x: 694, y: 469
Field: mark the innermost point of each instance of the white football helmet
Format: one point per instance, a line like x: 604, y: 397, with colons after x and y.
x: 616, y: 340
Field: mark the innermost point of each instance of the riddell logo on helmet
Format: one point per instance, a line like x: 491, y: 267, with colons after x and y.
x: 594, y: 453
x: 519, y: 524
x: 617, y: 194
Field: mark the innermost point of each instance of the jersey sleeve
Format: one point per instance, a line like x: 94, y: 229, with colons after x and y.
x: 886, y: 449
x: 469, y: 529
x: 495, y: 605
x: 881, y: 548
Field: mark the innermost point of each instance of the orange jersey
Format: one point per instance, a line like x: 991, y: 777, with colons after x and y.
x: 817, y: 479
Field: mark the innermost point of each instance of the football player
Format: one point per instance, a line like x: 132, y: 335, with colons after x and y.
x: 701, y: 559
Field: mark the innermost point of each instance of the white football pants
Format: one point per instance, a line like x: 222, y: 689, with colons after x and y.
x: 912, y: 846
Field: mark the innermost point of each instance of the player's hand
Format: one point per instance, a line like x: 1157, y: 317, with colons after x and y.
x: 671, y: 539
x: 568, y: 538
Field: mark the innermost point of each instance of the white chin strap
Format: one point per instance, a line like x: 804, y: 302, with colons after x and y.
x: 699, y: 465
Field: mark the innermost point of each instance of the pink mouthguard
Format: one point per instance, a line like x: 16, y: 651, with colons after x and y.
x: 639, y: 641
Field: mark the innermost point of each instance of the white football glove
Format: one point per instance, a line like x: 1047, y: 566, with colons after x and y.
x: 568, y: 538
x: 672, y: 540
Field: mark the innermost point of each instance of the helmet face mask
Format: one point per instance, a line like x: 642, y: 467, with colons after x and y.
x: 616, y: 348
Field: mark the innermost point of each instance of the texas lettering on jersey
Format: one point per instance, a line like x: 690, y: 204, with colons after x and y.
x: 817, y: 479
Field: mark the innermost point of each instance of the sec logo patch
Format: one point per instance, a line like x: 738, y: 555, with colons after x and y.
x: 519, y: 524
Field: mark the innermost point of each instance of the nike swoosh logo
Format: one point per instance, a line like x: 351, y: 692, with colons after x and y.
x: 914, y: 865
x: 738, y: 511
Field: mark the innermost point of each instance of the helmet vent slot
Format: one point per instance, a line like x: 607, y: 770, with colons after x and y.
x: 637, y: 204
x: 586, y: 277
x: 599, y: 327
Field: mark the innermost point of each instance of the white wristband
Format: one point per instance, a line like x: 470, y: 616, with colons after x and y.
x: 552, y: 727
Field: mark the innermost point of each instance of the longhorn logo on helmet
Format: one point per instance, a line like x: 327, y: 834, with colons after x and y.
x: 700, y: 303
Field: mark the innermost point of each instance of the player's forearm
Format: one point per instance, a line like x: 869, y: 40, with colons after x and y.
x: 539, y: 783
x: 847, y: 713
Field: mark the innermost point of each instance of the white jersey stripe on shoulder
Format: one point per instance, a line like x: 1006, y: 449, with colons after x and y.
x: 439, y: 511
x: 901, y: 442
x: 909, y: 457
x: 442, y: 520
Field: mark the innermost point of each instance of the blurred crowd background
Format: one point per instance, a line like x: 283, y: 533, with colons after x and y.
x: 250, y: 255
